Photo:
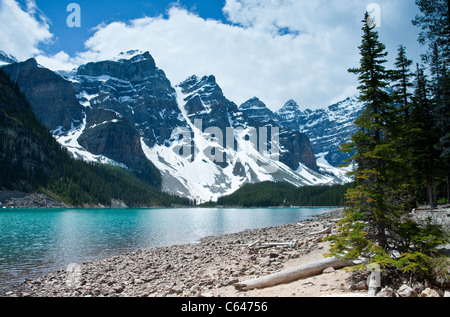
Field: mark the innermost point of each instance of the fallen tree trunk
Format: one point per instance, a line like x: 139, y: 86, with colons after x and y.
x: 293, y: 274
x: 324, y: 231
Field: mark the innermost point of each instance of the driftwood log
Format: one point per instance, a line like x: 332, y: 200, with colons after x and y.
x: 291, y: 244
x: 324, y: 231
x: 292, y: 274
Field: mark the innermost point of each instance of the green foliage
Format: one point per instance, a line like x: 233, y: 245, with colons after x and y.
x: 270, y: 194
x: 396, y: 157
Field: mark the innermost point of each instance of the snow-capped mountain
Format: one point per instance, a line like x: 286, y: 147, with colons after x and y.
x: 128, y: 113
x: 217, y: 152
x: 136, y: 89
x: 328, y: 128
x: 6, y: 59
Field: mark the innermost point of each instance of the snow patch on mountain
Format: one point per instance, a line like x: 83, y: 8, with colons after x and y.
x: 6, y: 59
x: 69, y: 140
x: 195, y: 174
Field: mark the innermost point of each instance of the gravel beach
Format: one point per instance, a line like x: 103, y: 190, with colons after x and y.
x: 207, y: 269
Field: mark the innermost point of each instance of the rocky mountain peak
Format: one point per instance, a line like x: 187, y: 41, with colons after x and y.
x: 289, y: 115
x: 133, y: 86
x: 258, y: 113
x: 253, y: 104
x: 204, y: 86
x: 137, y: 68
x: 15, y: 69
x: 51, y: 97
x: 290, y: 107
x: 7, y: 58
x: 205, y: 101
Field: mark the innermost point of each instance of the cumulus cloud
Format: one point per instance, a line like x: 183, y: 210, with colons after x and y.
x: 23, y: 30
x: 276, y: 50
x: 59, y: 61
x: 260, y: 54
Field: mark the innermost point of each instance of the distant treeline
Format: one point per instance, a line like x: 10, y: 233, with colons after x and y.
x: 271, y: 194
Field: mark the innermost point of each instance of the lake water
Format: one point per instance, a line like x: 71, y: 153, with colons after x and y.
x: 34, y: 242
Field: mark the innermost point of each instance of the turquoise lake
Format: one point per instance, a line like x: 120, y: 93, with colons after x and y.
x: 34, y: 242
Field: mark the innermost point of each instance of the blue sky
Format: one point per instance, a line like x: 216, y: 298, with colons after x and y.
x: 94, y: 13
x: 275, y: 50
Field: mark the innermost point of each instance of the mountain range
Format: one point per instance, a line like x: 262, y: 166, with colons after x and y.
x: 127, y: 113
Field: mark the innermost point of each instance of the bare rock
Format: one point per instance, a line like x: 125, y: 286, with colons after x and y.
x: 386, y: 292
x: 406, y: 291
x: 360, y: 286
x: 328, y: 270
x: 428, y: 292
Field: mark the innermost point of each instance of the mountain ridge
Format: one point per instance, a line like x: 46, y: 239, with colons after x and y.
x: 128, y: 103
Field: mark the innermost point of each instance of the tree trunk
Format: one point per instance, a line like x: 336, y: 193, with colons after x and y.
x: 432, y: 192
x: 293, y: 274
x: 448, y: 187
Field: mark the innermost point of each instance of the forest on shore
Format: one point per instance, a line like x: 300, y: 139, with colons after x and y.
x: 277, y: 194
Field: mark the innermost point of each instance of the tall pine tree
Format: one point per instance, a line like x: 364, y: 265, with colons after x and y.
x: 372, y: 144
x: 402, y: 78
x: 402, y: 85
x: 373, y: 228
x: 434, y: 23
x: 421, y: 128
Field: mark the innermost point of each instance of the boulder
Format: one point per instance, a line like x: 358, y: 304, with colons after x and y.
x: 386, y: 292
x: 406, y: 291
x: 428, y: 292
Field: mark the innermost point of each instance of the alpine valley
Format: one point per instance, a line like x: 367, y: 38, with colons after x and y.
x: 126, y: 112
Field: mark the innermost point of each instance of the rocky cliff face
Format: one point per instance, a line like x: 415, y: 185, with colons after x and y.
x: 257, y: 114
x: 110, y: 134
x: 296, y: 148
x: 52, y: 98
x: 328, y: 128
x: 26, y: 149
x: 204, y: 100
x: 136, y: 89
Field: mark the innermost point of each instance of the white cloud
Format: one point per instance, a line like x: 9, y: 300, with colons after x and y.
x: 22, y: 31
x: 248, y: 59
x: 59, y: 61
x: 276, y: 50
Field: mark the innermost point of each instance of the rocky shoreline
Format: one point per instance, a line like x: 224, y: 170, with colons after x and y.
x: 209, y: 268
x: 17, y: 199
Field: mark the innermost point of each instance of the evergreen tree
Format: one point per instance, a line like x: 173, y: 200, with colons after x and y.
x: 372, y: 143
x: 402, y: 78
x: 423, y: 138
x: 402, y: 85
x: 373, y: 228
x: 434, y: 22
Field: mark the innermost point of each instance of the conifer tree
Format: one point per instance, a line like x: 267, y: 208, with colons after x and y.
x: 434, y: 23
x: 402, y: 78
x: 373, y: 228
x: 373, y: 147
x: 422, y: 138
